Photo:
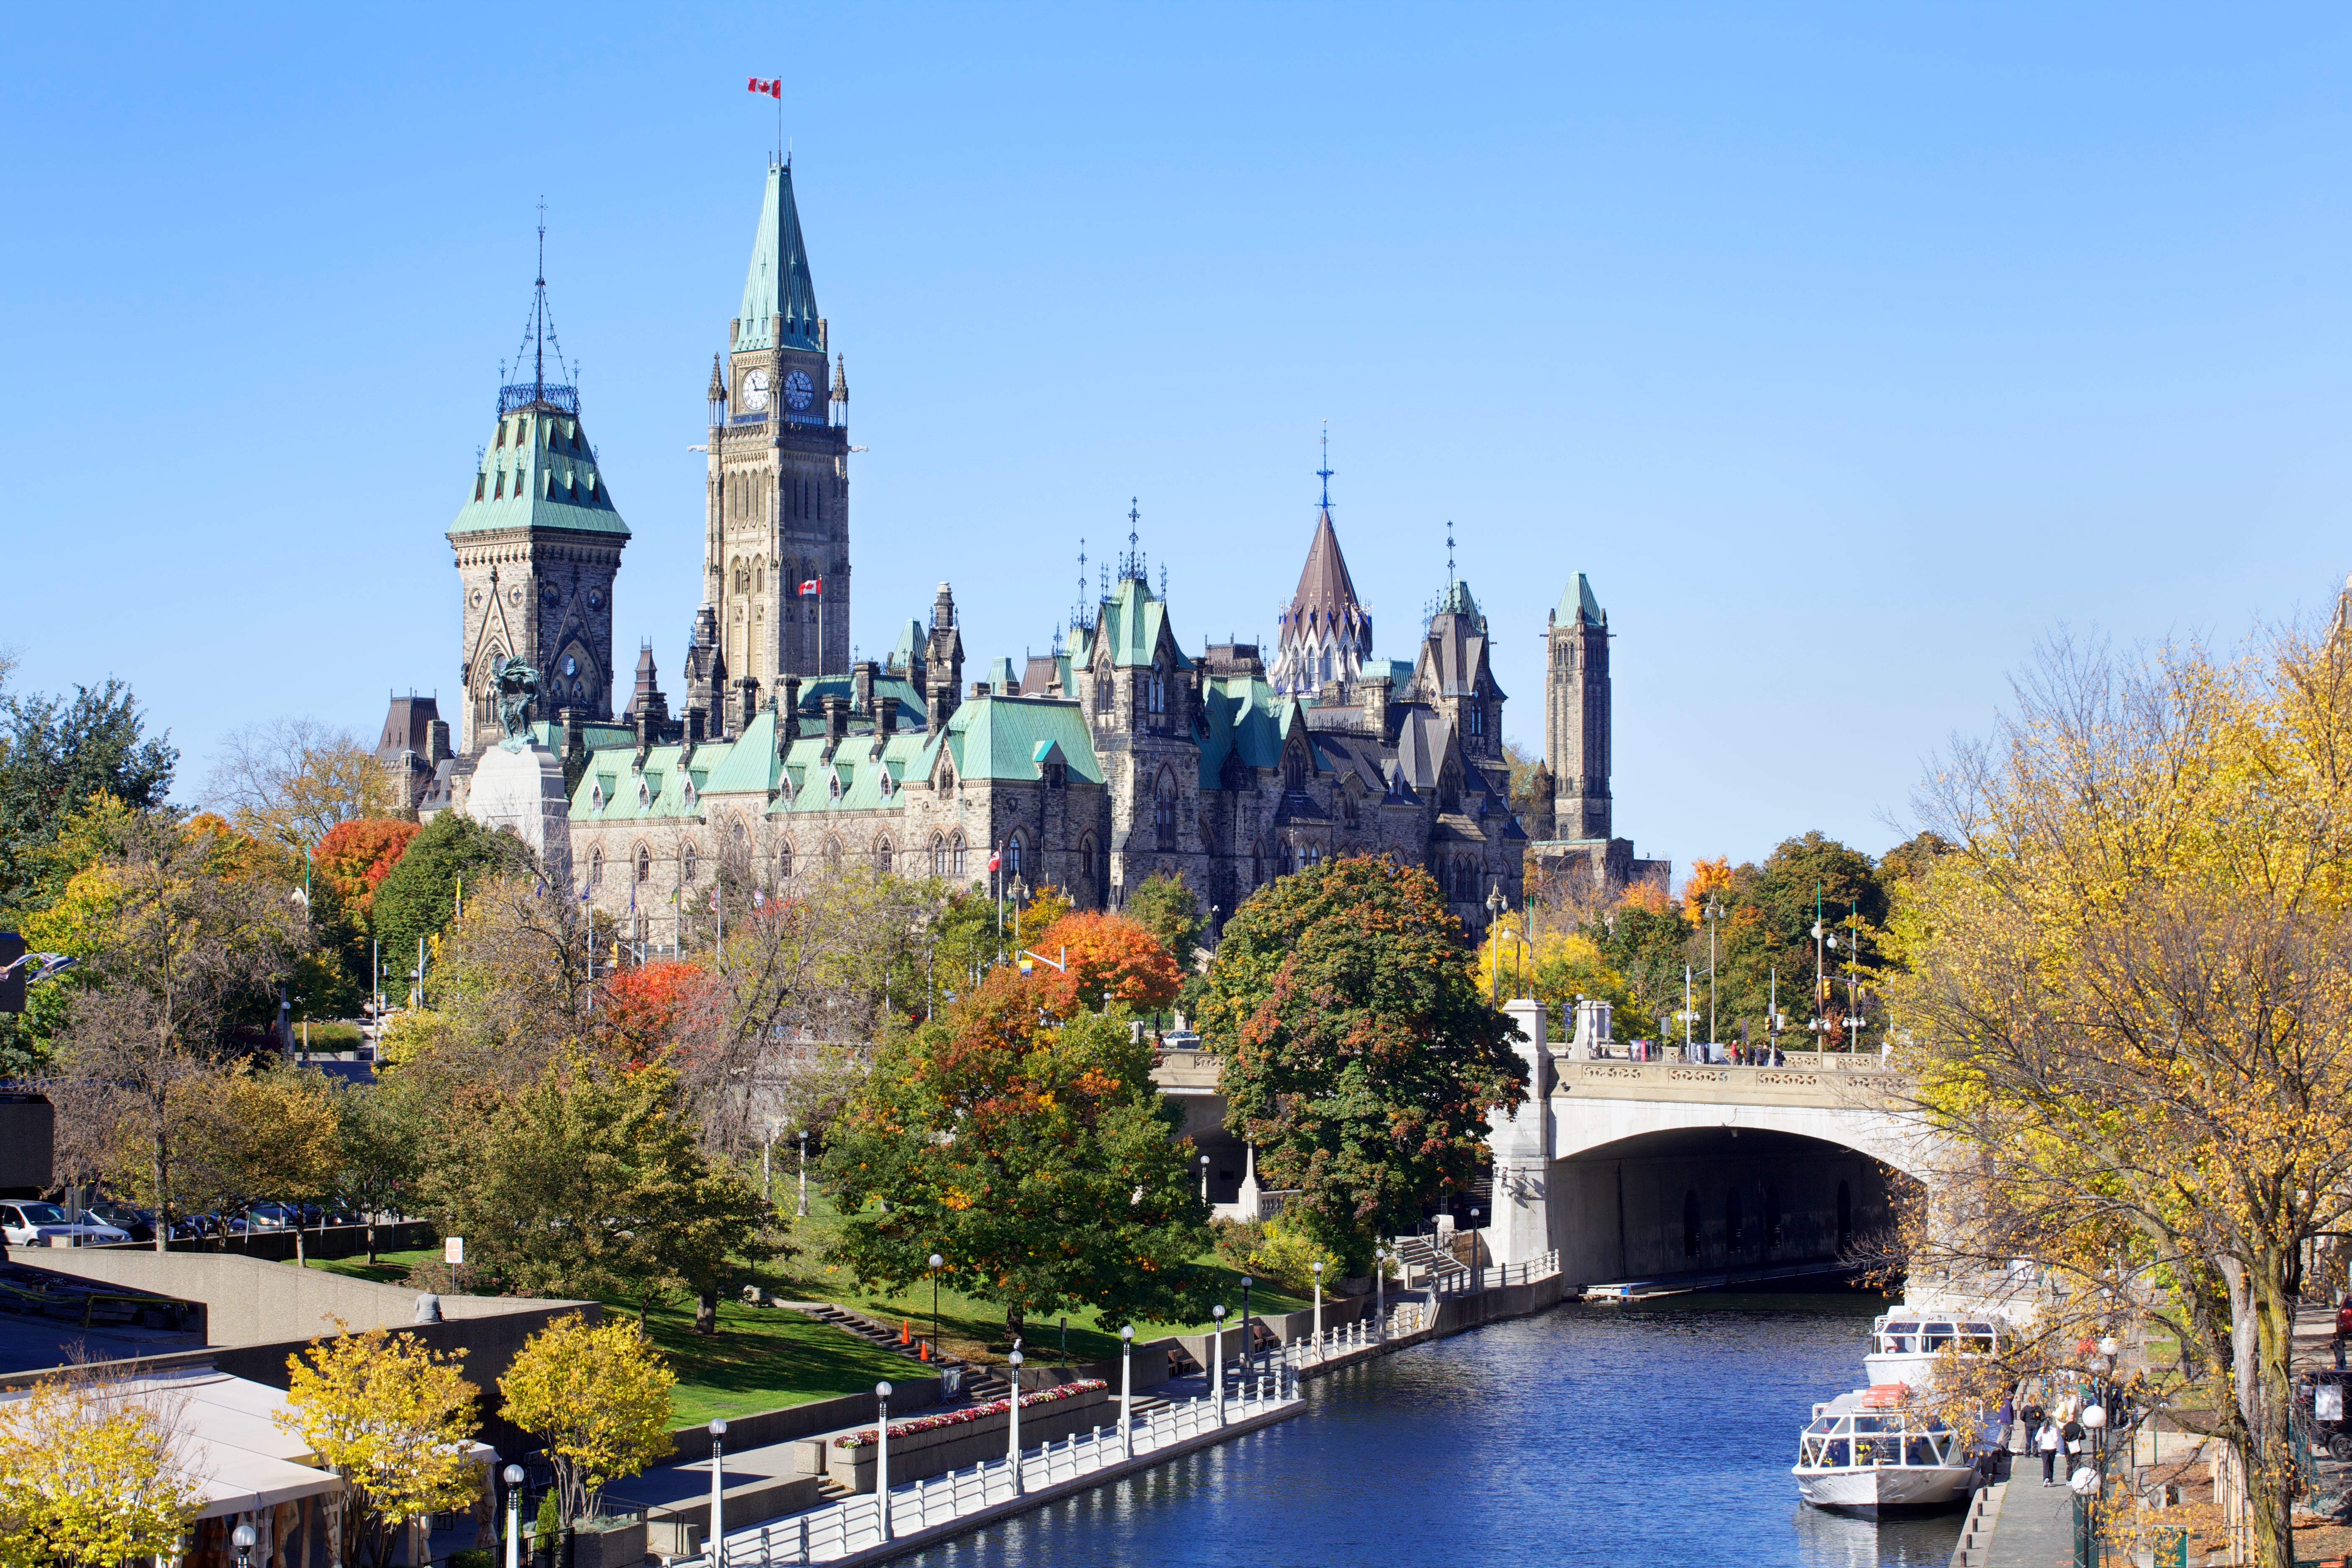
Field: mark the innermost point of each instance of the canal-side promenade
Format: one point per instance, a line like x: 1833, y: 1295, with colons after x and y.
x: 1202, y: 1411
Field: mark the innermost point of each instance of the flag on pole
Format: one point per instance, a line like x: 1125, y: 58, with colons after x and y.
x: 772, y: 89
x: 812, y: 587
x: 992, y: 860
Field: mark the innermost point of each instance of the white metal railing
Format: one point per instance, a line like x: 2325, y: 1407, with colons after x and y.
x: 854, y: 1524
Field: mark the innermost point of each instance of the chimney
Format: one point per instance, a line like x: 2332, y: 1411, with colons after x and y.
x: 644, y: 737
x: 695, y: 718
x: 886, y: 715
x: 979, y: 688
x: 861, y: 686
x: 748, y: 704
x: 788, y: 708
x: 1376, y: 703
x: 837, y: 721
x: 441, y: 752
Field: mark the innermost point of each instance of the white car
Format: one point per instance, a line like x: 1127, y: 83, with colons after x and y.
x: 32, y: 1224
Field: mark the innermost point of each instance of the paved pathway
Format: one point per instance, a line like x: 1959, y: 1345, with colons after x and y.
x: 2037, y: 1522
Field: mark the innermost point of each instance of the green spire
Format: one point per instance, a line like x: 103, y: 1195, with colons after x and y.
x: 1579, y: 604
x: 778, y: 297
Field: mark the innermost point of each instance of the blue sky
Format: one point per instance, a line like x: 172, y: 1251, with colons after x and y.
x: 1849, y: 350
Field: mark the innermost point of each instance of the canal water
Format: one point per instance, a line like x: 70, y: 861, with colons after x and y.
x: 1641, y: 1435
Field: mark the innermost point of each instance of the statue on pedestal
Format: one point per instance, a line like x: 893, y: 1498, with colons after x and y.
x: 518, y: 688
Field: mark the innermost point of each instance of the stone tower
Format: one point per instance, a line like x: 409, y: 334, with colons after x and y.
x: 1576, y: 713
x: 1324, y: 633
x: 777, y: 506
x: 538, y: 545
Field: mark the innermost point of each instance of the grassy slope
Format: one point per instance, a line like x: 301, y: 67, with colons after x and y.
x: 761, y: 1358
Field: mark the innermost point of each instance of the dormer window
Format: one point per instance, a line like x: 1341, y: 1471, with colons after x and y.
x: 690, y: 795
x: 595, y: 797
x: 835, y: 787
x: 644, y: 795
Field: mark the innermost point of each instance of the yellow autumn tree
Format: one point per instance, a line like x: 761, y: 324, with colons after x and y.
x: 598, y: 1396
x: 95, y: 1473
x: 392, y: 1417
x: 2128, y: 995
x: 270, y: 1133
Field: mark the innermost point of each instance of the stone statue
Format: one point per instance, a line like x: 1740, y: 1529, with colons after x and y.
x: 518, y: 687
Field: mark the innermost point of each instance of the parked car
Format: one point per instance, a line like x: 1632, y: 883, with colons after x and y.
x: 138, y: 1223
x: 273, y: 1217
x: 32, y: 1224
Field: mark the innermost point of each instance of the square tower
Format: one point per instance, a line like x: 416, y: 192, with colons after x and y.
x: 1576, y: 713
x: 777, y: 503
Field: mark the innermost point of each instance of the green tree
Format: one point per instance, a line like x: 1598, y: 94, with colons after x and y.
x: 380, y: 1133
x: 418, y: 897
x: 594, y: 1182
x: 1165, y: 905
x: 56, y: 754
x: 1359, y: 1054
x: 1035, y: 1156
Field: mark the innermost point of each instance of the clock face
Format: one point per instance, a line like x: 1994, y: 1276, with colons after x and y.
x: 755, y: 389
x: 798, y: 389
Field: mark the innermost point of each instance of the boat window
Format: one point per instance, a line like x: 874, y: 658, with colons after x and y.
x: 1937, y: 1335
x: 1896, y: 1345
x: 1826, y: 1424
x: 1976, y: 1327
x: 1902, y: 1328
x: 1870, y: 1423
x: 1918, y: 1451
x: 1837, y: 1454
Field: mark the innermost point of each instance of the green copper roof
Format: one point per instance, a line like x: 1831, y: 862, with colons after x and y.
x: 1132, y: 622
x: 1576, y: 602
x: 1457, y: 600
x: 908, y: 651
x: 1001, y: 737
x: 1243, y: 715
x: 777, y: 294
x: 538, y: 472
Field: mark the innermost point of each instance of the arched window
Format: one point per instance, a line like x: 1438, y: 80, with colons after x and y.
x: 882, y: 856
x: 1294, y: 769
x: 686, y: 862
x: 1257, y: 863
x: 1163, y: 810
x: 1087, y: 859
x: 1012, y: 857
x: 833, y: 853
x: 645, y: 864
x: 595, y: 867
x: 955, y: 855
x: 939, y: 856
x: 785, y: 861
x: 759, y: 574
x: 1690, y: 1225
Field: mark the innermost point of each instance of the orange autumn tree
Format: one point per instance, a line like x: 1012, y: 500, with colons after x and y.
x: 1706, y: 878
x: 640, y: 1011
x: 1113, y: 962
x: 355, y: 857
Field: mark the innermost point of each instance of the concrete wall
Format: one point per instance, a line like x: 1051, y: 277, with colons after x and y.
x: 1620, y: 1213
x: 278, y: 1245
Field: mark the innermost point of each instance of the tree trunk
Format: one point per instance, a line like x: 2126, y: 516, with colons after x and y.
x: 299, y: 1260
x: 705, y: 1312
x: 2262, y: 1334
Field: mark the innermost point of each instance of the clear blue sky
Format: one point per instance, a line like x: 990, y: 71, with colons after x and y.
x: 1848, y: 351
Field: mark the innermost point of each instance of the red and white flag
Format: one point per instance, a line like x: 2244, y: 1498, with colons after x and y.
x: 810, y: 589
x: 991, y: 862
x: 772, y: 89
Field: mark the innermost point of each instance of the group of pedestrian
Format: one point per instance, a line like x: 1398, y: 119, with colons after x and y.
x: 2052, y: 1438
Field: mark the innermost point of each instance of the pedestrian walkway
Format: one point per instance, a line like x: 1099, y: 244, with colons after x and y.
x: 2036, y: 1522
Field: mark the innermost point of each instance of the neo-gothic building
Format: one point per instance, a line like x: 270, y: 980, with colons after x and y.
x: 1118, y: 756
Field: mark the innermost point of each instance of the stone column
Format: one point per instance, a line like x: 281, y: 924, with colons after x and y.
x: 1520, y: 1223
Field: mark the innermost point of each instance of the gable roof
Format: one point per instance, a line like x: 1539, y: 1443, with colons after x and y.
x: 1131, y: 625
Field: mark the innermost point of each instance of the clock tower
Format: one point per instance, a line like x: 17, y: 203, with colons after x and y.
x: 776, y: 510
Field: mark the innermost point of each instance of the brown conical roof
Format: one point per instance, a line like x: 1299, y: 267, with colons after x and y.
x: 1324, y: 588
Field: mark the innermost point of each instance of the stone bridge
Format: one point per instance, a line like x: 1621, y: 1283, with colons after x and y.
x: 1651, y: 1171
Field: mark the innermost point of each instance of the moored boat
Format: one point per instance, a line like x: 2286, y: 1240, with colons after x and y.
x: 1906, y: 1342
x: 1870, y: 1453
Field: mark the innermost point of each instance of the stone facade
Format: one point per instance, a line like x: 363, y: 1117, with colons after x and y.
x: 1575, y: 845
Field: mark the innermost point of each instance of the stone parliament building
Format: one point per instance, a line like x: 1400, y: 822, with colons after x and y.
x: 1117, y: 756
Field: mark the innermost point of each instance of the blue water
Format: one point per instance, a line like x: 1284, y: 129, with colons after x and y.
x: 1628, y: 1436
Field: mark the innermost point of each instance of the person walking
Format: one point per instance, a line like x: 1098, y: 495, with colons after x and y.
x: 2048, y: 1441
x: 2072, y: 1433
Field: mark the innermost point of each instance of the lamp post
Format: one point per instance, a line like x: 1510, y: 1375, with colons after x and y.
x: 1496, y: 905
x: 1013, y: 1404
x: 803, y: 1172
x: 1126, y: 1391
x: 1474, y: 1247
x: 718, y: 1548
x: 514, y: 1516
x: 1381, y: 1294
x: 1204, y: 1178
x: 1318, y: 1306
x: 1714, y: 914
x: 243, y: 1538
x: 881, y: 1455
x: 935, y: 1261
x: 1217, y: 1361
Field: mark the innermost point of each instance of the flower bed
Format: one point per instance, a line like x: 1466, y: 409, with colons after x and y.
x: 869, y: 1438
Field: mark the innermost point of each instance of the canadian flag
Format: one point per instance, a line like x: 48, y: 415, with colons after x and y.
x: 991, y: 862
x: 810, y: 589
x: 772, y: 89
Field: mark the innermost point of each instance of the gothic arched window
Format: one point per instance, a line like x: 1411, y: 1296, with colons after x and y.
x: 645, y: 864
x: 686, y: 862
x: 595, y: 867
x: 1163, y: 810
x: 882, y: 856
x: 1087, y: 859
x: 785, y: 861
x: 955, y: 856
x: 1012, y: 857
x: 832, y: 850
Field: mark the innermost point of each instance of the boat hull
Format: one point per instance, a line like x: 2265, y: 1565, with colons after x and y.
x: 1880, y: 1490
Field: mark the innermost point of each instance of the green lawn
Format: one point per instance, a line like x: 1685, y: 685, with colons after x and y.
x: 975, y: 1328
x: 761, y: 1358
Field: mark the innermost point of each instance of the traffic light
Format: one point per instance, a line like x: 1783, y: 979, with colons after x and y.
x: 12, y: 990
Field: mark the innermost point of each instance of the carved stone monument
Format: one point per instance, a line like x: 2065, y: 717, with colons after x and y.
x: 519, y: 783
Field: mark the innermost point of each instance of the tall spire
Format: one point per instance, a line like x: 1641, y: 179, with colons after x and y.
x: 539, y: 338
x: 779, y: 299
x: 1323, y: 473
x: 1324, y: 633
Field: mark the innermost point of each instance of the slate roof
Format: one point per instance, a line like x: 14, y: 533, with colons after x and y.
x: 779, y: 299
x: 539, y: 473
x: 1325, y: 592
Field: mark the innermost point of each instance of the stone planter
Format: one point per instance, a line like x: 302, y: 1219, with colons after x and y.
x: 609, y: 1544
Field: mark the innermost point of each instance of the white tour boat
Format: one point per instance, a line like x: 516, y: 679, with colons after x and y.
x: 1905, y: 1342
x: 1867, y: 1453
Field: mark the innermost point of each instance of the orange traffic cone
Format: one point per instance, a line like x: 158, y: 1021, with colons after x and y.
x: 906, y: 1331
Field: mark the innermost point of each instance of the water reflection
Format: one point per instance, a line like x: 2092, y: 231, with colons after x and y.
x: 1639, y: 1434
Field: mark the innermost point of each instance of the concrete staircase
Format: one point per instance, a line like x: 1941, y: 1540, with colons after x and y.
x: 1421, y: 1259
x: 979, y: 1384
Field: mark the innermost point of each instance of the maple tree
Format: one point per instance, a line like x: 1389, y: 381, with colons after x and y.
x: 598, y: 1396
x: 1113, y: 962
x: 1037, y: 1157
x: 393, y: 1419
x: 269, y: 1133
x: 356, y: 855
x: 1358, y: 1050
x: 639, y: 1011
